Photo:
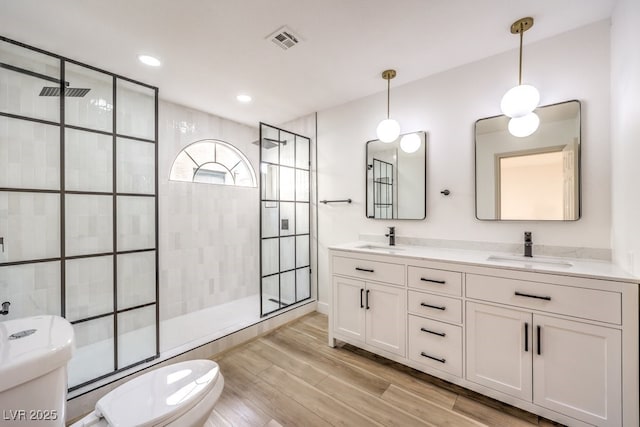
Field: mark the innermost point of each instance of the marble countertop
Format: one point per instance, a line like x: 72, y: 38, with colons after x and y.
x: 563, y: 266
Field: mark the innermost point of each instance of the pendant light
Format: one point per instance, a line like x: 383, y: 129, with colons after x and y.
x: 388, y: 130
x: 410, y: 143
x: 524, y: 126
x: 520, y: 101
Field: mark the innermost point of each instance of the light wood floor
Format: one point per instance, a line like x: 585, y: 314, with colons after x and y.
x: 291, y: 377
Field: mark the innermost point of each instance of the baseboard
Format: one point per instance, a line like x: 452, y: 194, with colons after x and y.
x: 323, y: 308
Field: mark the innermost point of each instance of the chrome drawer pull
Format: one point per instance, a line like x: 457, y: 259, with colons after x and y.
x: 368, y: 270
x: 440, y: 334
x: 441, y: 282
x: 437, y: 359
x: 437, y: 307
x: 520, y: 294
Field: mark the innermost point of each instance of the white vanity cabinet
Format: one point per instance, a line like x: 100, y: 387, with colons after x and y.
x: 566, y: 365
x: 366, y: 311
x: 563, y: 344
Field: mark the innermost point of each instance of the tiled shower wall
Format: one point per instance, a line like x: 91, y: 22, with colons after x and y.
x: 208, y: 233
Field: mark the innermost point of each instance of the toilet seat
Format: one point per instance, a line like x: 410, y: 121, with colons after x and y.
x: 159, y: 397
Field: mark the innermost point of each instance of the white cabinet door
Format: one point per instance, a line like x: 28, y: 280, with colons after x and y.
x: 386, y: 317
x: 499, y: 349
x: 577, y: 370
x: 348, y: 307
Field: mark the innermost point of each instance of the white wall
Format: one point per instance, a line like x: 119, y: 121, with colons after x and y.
x: 209, y: 247
x: 625, y: 133
x: 573, y: 65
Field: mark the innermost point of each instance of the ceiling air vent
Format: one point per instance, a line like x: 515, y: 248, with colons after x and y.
x: 284, y: 38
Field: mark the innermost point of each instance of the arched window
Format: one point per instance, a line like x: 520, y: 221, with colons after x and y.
x: 213, y: 162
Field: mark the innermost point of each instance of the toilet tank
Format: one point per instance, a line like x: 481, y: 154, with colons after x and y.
x: 34, y: 352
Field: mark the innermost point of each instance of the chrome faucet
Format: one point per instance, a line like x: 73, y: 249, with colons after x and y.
x: 528, y: 244
x: 392, y: 236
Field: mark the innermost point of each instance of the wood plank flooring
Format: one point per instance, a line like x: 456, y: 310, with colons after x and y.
x: 291, y: 377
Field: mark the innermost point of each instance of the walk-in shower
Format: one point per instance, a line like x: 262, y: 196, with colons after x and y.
x: 82, y: 180
x: 78, y: 205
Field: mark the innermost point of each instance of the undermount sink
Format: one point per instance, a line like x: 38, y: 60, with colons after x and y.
x: 380, y: 248
x: 530, y: 260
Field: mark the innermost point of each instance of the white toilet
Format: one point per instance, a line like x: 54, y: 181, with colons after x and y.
x: 34, y: 352
x: 182, y: 394
x: 33, y: 380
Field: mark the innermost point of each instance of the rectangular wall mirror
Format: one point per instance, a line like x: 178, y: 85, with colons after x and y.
x: 531, y: 178
x: 396, y: 177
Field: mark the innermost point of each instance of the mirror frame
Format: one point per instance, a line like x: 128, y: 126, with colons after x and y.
x: 475, y: 169
x: 366, y: 192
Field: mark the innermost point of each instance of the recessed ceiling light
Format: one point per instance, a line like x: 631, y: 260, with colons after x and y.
x: 243, y: 98
x: 149, y: 60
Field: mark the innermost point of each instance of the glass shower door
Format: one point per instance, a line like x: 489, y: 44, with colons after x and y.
x: 285, y: 216
x: 78, y: 206
x: 383, y: 189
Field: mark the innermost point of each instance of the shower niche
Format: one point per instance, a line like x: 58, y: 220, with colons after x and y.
x: 285, y: 273
x: 78, y: 205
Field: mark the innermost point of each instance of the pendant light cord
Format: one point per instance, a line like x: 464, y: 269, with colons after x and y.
x: 520, y: 68
x: 388, y: 95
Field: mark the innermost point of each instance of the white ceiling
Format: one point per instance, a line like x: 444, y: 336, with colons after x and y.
x: 214, y: 49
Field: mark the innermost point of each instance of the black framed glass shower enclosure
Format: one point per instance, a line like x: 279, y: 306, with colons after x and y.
x: 383, y: 189
x: 285, y: 214
x: 79, y: 205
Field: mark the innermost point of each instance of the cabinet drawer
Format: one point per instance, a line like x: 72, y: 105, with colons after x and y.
x: 435, y: 344
x: 591, y: 304
x: 432, y: 280
x: 435, y: 306
x: 369, y: 270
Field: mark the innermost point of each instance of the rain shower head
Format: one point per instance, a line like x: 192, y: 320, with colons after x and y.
x: 68, y: 91
x: 268, y: 143
x: 48, y: 90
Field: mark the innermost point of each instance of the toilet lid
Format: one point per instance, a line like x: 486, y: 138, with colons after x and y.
x: 159, y: 395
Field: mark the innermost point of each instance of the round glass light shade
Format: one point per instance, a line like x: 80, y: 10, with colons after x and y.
x: 410, y: 143
x: 524, y: 126
x: 388, y: 130
x: 520, y: 101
